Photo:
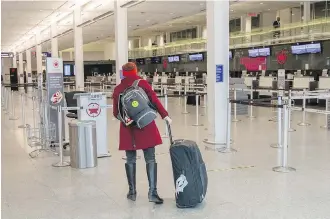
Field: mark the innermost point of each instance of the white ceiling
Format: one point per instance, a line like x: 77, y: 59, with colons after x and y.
x: 20, y: 18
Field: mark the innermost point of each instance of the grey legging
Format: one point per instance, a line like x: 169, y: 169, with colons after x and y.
x: 149, y: 156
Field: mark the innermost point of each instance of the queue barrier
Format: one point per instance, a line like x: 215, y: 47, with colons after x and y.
x: 283, y: 159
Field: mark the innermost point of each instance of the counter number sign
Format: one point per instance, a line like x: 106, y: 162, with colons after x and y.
x: 219, y: 73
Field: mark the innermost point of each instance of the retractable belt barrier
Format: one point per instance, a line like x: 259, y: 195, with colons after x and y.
x: 282, y: 130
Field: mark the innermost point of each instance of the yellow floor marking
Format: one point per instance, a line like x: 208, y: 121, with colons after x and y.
x: 232, y: 168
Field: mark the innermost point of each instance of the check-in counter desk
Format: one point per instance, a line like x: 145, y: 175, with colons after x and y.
x: 248, y: 81
x: 324, y: 84
x: 304, y: 82
x: 265, y: 82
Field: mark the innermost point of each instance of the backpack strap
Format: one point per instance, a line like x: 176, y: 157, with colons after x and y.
x: 136, y: 83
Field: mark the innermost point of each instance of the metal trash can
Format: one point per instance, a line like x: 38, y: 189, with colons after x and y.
x: 83, y: 147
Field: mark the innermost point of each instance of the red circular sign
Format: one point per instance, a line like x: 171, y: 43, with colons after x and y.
x: 282, y: 57
x: 55, y: 64
x: 93, y: 110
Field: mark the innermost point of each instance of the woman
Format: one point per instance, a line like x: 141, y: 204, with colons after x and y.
x: 145, y: 139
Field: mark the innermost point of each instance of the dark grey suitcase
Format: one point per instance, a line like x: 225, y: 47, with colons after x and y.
x: 189, y: 172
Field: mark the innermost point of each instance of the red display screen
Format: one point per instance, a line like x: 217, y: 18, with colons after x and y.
x: 252, y: 64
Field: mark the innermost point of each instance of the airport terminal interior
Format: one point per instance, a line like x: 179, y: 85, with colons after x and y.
x: 246, y: 83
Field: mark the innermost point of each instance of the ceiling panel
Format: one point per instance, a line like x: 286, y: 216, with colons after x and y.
x: 147, y: 18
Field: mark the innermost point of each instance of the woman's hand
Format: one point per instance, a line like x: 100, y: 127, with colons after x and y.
x: 168, y: 119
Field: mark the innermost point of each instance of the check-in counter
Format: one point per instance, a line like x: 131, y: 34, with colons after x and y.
x: 324, y: 83
x: 248, y: 81
x: 302, y: 82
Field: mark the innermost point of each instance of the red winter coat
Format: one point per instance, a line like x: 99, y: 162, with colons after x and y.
x: 146, y: 137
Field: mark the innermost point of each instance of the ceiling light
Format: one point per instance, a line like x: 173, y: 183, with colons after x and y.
x: 40, y: 10
x: 147, y: 20
x: 232, y: 10
x: 268, y: 9
x: 292, y: 14
x: 261, y: 3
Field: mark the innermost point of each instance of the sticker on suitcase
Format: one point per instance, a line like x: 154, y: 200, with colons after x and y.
x: 180, y: 184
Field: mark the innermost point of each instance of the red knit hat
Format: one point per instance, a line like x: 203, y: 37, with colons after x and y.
x: 129, y: 69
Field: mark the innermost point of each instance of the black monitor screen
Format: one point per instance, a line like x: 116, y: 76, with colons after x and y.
x: 264, y: 51
x: 313, y: 48
x: 298, y: 49
x: 174, y: 59
x: 253, y: 52
x: 196, y: 57
x: 67, y: 70
x: 155, y: 60
x: 140, y: 61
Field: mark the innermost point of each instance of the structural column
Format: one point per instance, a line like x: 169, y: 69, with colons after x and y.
x: 15, y: 60
x: 39, y: 57
x: 28, y: 69
x: 20, y: 70
x: 120, y: 38
x: 217, y: 71
x: 246, y: 26
x: 54, y: 40
x: 307, y: 12
x: 78, y: 49
x: 161, y: 40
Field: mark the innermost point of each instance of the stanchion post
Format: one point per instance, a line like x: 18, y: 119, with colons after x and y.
x: 251, y: 116
x: 23, y: 112
x: 235, y: 108
x: 33, y: 112
x: 197, y: 112
x: 326, y: 115
x: 279, y: 124
x: 284, y: 168
x: 12, y: 113
x: 7, y: 102
x: 185, y: 100
x: 303, y: 122
x: 165, y: 106
x: 290, y: 129
x: 61, y: 163
x: 228, y: 148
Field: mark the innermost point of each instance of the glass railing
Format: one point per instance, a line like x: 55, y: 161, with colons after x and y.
x: 296, y: 32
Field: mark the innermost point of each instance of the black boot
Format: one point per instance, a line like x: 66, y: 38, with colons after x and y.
x: 131, y: 179
x: 152, y: 178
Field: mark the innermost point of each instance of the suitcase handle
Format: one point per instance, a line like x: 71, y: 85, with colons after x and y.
x: 169, y: 131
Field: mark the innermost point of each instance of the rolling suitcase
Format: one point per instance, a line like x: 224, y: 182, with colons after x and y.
x: 189, y: 172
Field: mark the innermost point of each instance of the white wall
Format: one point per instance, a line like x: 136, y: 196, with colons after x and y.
x: 109, y: 51
x: 204, y: 32
x: 6, y: 63
x: 296, y: 15
x: 285, y: 16
x: 267, y: 18
x: 88, y: 56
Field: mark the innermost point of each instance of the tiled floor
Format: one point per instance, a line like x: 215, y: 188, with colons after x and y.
x: 33, y: 189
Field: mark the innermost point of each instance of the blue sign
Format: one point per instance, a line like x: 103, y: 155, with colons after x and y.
x: 219, y: 73
x: 46, y: 54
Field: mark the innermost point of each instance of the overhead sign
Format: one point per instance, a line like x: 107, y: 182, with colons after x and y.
x: 252, y: 14
x: 7, y: 55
